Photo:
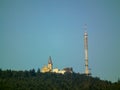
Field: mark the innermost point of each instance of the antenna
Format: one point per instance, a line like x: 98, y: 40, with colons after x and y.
x: 85, y: 27
x: 87, y: 72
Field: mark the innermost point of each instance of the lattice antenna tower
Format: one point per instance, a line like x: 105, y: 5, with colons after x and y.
x: 87, y: 72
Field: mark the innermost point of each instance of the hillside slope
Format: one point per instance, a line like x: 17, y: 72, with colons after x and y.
x: 31, y: 80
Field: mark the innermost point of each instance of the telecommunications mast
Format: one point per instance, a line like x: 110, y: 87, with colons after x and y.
x: 87, y: 72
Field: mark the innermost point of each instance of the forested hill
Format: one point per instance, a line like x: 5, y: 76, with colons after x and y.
x: 31, y: 80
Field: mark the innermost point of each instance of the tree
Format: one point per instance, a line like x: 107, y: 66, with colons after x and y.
x: 32, y: 72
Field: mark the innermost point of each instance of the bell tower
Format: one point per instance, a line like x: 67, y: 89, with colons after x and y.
x: 50, y: 65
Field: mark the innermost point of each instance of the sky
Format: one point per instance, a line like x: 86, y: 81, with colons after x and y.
x: 33, y: 30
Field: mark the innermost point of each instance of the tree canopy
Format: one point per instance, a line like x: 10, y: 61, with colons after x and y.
x: 31, y: 80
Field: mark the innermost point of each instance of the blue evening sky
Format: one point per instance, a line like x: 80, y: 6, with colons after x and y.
x: 33, y: 30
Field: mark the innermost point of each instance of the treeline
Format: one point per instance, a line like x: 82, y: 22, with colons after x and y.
x: 31, y: 80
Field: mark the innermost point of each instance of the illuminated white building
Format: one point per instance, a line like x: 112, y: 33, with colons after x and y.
x: 49, y: 68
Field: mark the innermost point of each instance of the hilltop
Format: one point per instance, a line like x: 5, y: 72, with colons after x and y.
x: 31, y: 80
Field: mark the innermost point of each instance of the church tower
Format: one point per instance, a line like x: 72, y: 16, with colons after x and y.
x: 50, y: 65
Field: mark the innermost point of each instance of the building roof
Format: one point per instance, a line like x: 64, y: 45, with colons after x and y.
x: 68, y: 69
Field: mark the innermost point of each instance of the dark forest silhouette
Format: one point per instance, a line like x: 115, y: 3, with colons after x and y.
x: 31, y: 80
